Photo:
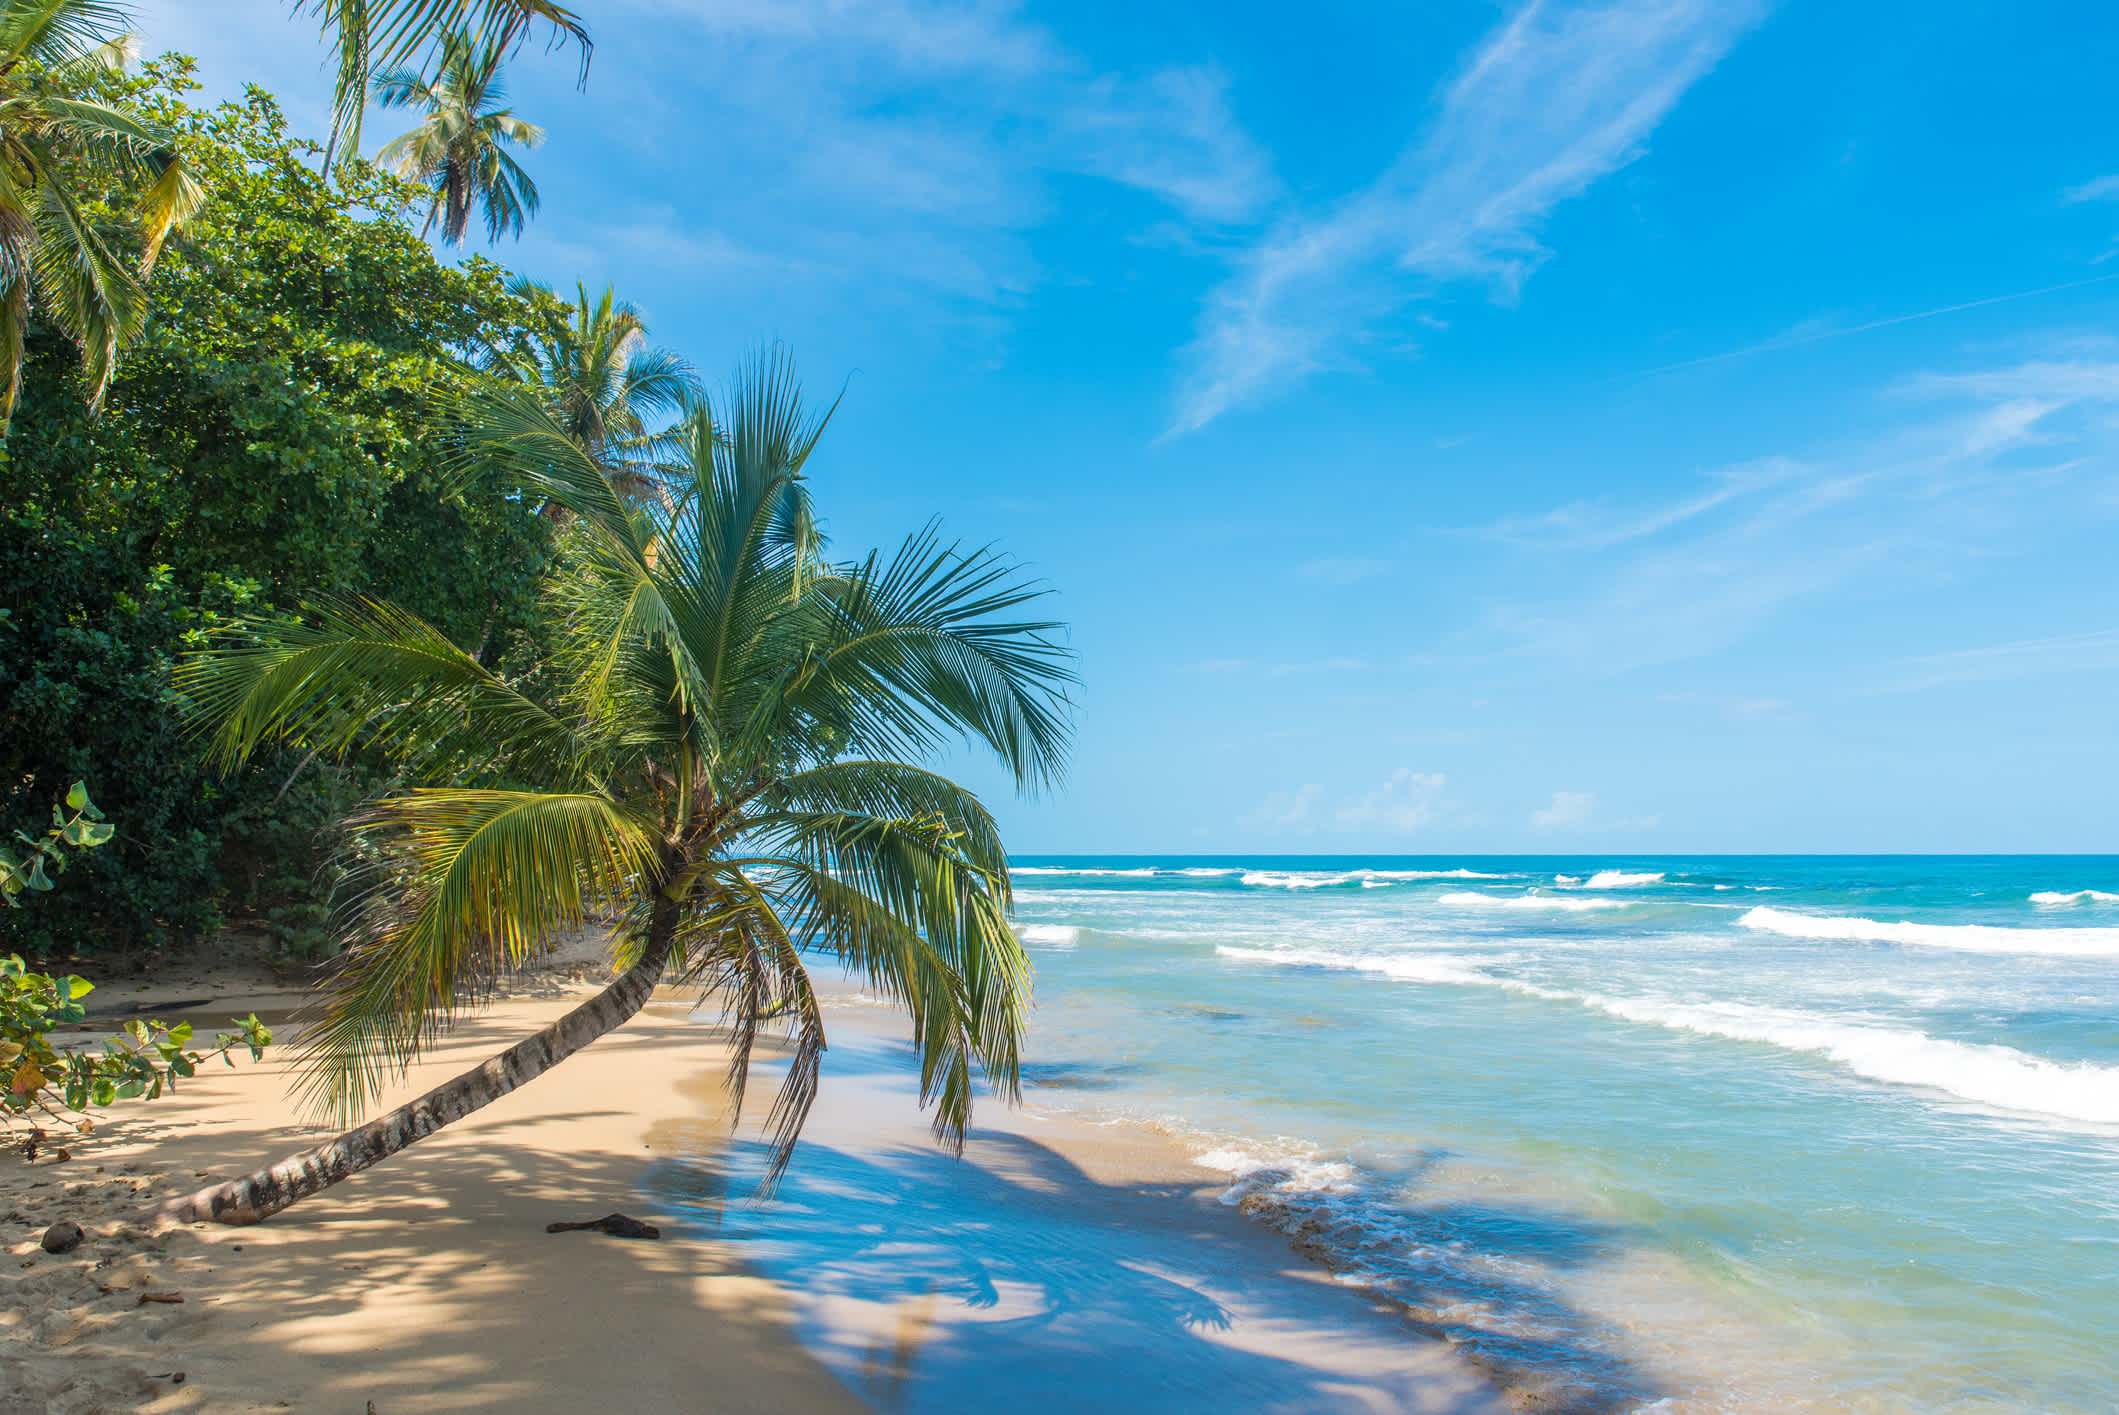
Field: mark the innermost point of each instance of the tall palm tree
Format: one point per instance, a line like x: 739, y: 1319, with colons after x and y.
x: 58, y: 153
x: 368, y: 34
x: 723, y: 746
x: 459, y: 150
x: 613, y: 393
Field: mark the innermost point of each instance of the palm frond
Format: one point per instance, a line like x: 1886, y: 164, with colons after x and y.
x: 464, y: 886
x: 923, y: 648
x: 56, y: 33
x: 896, y: 902
x: 364, y: 672
x: 90, y: 292
x: 737, y: 948
x: 174, y: 198
x: 372, y: 34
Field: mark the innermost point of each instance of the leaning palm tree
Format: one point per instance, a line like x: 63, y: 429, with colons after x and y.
x: 368, y: 34
x: 613, y: 393
x: 59, y: 153
x: 459, y: 150
x: 722, y: 747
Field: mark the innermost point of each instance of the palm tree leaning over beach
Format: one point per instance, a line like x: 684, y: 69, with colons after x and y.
x: 613, y: 393
x: 460, y: 150
x: 722, y: 746
x: 59, y: 150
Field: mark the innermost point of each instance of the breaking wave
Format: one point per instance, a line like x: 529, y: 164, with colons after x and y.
x: 1327, y: 879
x: 1999, y: 1077
x: 1473, y: 898
x: 2080, y: 896
x: 1620, y: 879
x: 1970, y: 938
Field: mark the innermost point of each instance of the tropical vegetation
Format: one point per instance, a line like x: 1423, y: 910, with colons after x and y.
x: 618, y: 399
x: 429, y: 613
x: 69, y: 159
x: 273, y: 435
x: 720, y: 747
x: 145, y: 1059
x: 460, y: 150
x: 367, y: 35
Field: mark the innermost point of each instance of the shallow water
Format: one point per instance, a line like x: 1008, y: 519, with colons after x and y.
x: 1767, y: 1133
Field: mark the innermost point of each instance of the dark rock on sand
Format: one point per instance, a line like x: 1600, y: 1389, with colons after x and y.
x: 63, y: 1237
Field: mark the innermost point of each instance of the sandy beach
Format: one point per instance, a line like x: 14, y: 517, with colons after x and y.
x: 429, y: 1283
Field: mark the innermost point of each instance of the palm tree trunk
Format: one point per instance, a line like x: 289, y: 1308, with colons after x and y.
x: 264, y: 1192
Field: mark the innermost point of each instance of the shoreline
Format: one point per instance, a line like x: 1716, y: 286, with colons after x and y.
x: 1049, y: 1225
x: 429, y: 1284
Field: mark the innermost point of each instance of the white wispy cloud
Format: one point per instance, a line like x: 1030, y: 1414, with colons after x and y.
x: 1570, y: 810
x: 2096, y: 189
x: 1588, y: 525
x: 1405, y: 801
x: 2021, y: 659
x: 1987, y: 464
x: 859, y: 133
x: 1556, y: 98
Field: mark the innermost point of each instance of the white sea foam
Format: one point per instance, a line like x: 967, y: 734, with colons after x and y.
x: 1295, y: 1170
x: 1989, y: 1075
x: 1326, y: 879
x: 1620, y: 879
x: 1971, y: 938
x: 1049, y: 935
x: 1986, y: 1074
x: 1405, y: 967
x: 1473, y: 898
x: 1102, y: 873
x: 2080, y: 896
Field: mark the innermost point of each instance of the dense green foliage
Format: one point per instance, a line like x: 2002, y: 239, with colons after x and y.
x: 272, y: 436
x: 64, y: 149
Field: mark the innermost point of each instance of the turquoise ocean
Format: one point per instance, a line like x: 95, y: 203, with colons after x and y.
x: 1732, y: 1132
x: 1682, y: 1135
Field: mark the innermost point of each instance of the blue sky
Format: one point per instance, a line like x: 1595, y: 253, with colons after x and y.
x: 1655, y: 425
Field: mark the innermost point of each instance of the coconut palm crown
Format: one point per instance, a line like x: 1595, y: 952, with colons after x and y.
x: 723, y: 747
x: 460, y: 149
x: 613, y: 393
x: 57, y: 151
x: 370, y: 34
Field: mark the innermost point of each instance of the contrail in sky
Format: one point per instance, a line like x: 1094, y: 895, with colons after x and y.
x: 1788, y: 343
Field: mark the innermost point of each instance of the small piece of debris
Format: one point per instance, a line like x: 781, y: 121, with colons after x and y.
x: 617, y: 1225
x: 147, y: 1297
